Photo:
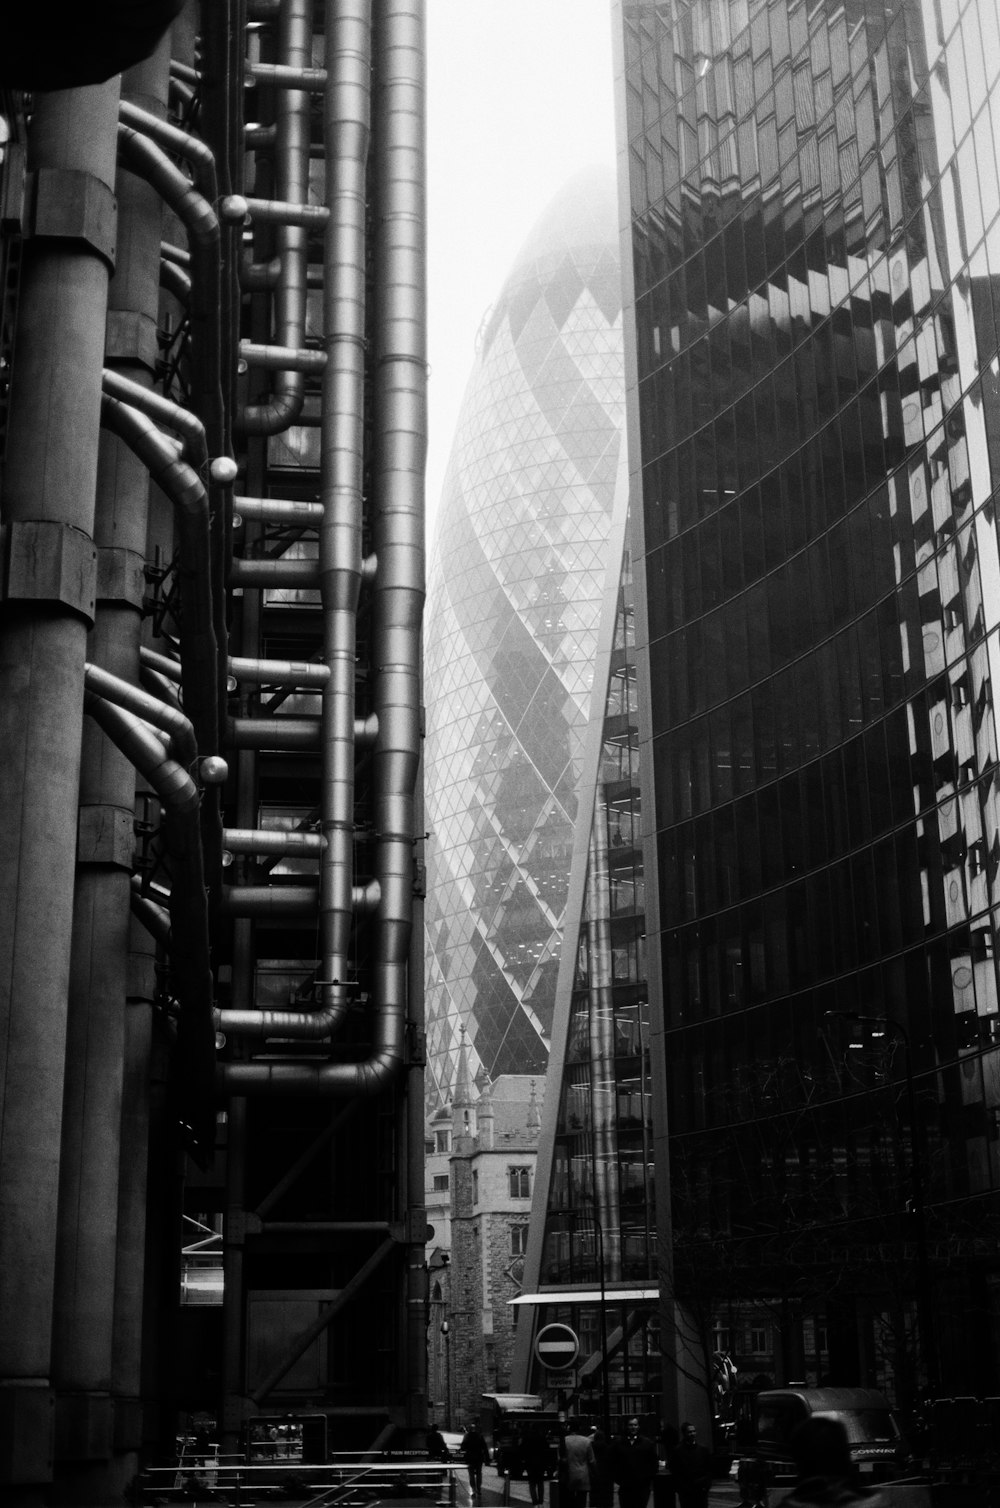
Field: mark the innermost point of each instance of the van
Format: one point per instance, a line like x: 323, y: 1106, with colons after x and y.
x: 879, y: 1449
x: 506, y: 1418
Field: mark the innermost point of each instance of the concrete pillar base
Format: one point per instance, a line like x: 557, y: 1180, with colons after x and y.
x: 84, y: 1426
x: 128, y: 1424
x: 27, y: 1432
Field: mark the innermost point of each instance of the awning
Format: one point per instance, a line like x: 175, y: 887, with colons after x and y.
x: 588, y: 1296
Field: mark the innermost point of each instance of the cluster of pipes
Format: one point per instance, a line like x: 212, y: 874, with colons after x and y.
x: 87, y: 431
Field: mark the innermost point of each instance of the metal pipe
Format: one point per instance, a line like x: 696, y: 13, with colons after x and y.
x: 272, y: 844
x: 398, y: 447
x: 292, y: 900
x: 272, y: 358
x: 256, y: 136
x: 171, y: 253
x: 186, y: 491
x: 163, y: 663
x: 150, y: 708
x: 277, y: 574
x: 260, y: 277
x: 235, y: 208
x: 164, y: 411
x: 154, y: 918
x: 175, y: 280
x: 179, y: 143
x: 274, y: 510
x: 142, y: 748
x: 346, y: 126
x: 302, y: 733
x: 279, y: 672
x: 287, y: 75
x: 162, y: 687
x: 145, y: 157
x: 292, y: 164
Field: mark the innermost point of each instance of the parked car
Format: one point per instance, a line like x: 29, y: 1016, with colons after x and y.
x: 879, y: 1449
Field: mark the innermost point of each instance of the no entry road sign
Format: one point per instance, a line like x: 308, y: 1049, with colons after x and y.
x: 557, y: 1347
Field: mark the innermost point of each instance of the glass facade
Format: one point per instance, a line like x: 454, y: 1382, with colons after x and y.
x: 519, y: 576
x: 815, y: 247
x: 595, y: 1266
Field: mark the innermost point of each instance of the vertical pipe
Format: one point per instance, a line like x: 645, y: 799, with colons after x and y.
x: 346, y: 136
x: 51, y: 482
x: 292, y: 164
x: 399, y: 444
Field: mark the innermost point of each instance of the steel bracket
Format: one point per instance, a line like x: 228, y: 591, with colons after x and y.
x: 69, y: 205
x: 121, y: 576
x: 42, y: 560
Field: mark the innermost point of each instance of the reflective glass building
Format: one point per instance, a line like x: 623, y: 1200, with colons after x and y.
x: 525, y: 561
x: 813, y: 343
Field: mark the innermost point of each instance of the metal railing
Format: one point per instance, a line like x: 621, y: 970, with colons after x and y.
x: 344, y: 1480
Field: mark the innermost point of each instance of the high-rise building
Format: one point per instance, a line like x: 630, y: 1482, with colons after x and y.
x: 812, y: 329
x: 525, y: 561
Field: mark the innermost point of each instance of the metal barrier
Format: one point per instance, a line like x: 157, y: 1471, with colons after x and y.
x: 345, y: 1482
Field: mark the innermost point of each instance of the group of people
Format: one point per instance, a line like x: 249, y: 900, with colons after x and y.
x: 590, y: 1466
x: 593, y: 1465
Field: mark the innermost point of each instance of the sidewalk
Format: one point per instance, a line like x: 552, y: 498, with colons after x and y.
x: 498, y: 1492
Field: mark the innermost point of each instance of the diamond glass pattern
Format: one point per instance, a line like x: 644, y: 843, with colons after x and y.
x: 518, y: 572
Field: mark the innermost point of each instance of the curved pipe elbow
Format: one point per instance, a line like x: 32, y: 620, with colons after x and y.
x: 143, y: 749
x: 279, y: 414
x: 155, y: 406
x: 144, y: 705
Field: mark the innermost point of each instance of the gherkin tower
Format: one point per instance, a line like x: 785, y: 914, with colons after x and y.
x: 521, y: 569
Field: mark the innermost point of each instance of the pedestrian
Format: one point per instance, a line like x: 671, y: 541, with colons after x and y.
x: 577, y: 1462
x: 691, y: 1465
x: 635, y: 1464
x: 437, y: 1445
x: 602, y: 1482
x: 535, y: 1457
x: 826, y: 1473
x: 476, y: 1454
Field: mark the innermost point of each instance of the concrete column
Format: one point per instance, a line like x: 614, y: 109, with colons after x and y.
x: 49, y: 514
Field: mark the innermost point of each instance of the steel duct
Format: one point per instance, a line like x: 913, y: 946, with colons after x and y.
x: 399, y: 446
x: 292, y: 165
x: 150, y: 708
x: 301, y: 733
x: 186, y: 491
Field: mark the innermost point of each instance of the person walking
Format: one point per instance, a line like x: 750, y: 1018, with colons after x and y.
x: 602, y: 1482
x: 476, y: 1455
x: 691, y: 1465
x: 577, y: 1461
x: 437, y: 1445
x: 635, y: 1464
x: 535, y: 1456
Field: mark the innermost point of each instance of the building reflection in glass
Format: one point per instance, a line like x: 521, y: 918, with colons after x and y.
x: 815, y: 245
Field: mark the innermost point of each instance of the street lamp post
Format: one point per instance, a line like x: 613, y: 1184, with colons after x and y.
x: 446, y: 1332
x: 925, y: 1311
x: 599, y: 1252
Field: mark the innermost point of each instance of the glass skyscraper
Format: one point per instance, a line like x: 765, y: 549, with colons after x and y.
x: 812, y: 337
x: 523, y: 573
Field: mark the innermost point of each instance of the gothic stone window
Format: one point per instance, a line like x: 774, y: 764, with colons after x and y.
x: 519, y: 1181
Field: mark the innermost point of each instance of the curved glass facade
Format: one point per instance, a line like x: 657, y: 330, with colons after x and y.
x: 816, y: 253
x: 519, y: 575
